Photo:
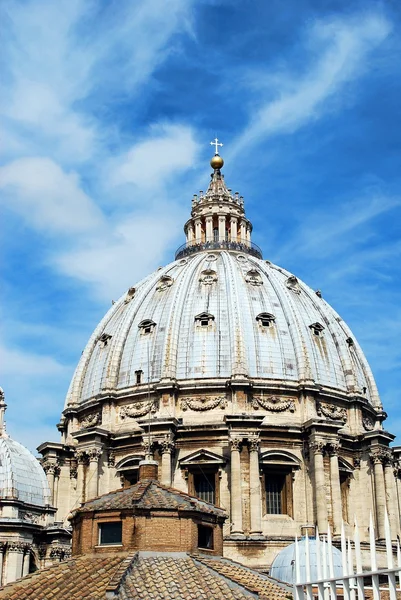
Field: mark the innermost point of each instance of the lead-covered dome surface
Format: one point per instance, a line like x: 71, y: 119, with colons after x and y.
x: 21, y: 476
x: 221, y: 314
x: 283, y: 566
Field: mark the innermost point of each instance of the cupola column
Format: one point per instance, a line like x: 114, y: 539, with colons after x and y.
x: 243, y: 231
x: 82, y: 459
x: 248, y: 234
x: 209, y: 229
x: 27, y: 556
x: 14, y: 560
x: 50, y: 470
x: 377, y: 456
x: 335, y: 487
x: 198, y: 231
x: 254, y: 486
x: 93, y: 473
x: 317, y: 448
x: 234, y: 229
x: 222, y: 228
x: 190, y: 233
x: 391, y: 496
x: 235, y: 491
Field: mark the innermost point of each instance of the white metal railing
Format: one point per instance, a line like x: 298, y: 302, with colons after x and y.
x: 351, y: 584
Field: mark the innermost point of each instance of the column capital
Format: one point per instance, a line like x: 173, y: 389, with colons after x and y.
x: 236, y: 443
x: 253, y: 442
x: 318, y: 446
x: 148, y: 445
x: 94, y: 454
x: 380, y: 455
x: 333, y: 448
x: 111, y: 458
x: 49, y: 467
x: 16, y: 547
x: 167, y: 444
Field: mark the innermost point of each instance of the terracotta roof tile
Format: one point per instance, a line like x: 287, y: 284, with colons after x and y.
x: 69, y: 580
x: 150, y: 494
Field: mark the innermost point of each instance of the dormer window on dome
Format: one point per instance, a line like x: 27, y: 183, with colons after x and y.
x: 265, y: 319
x: 104, y: 339
x: 253, y: 277
x: 293, y: 284
x: 129, y: 295
x: 164, y: 282
x: 204, y: 319
x: 147, y: 326
x: 317, y: 329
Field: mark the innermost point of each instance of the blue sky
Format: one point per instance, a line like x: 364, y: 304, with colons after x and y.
x: 107, y: 112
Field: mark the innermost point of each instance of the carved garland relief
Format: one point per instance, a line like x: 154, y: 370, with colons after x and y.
x: 133, y: 411
x: 204, y: 403
x: 273, y: 403
x: 332, y: 412
x: 368, y: 422
x: 90, y: 420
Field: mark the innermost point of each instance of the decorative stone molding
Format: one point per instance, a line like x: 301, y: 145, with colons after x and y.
x: 253, y: 277
x: 29, y: 517
x: 2, y: 396
x: 42, y: 552
x: 111, y: 458
x: 332, y: 412
x: 166, y: 444
x: 368, y: 422
x: 148, y: 445
x: 16, y: 547
x: 357, y: 462
x: 140, y: 409
x: 73, y: 472
x: 58, y: 552
x: 208, y: 277
x: 49, y: 467
x: 90, y: 420
x: 318, y: 446
x: 82, y: 457
x: 273, y: 403
x: 380, y: 455
x: 333, y: 448
x: 293, y: 284
x: 94, y: 454
x: 129, y: 295
x: 164, y: 283
x: 236, y: 443
x: 204, y: 403
x: 253, y: 442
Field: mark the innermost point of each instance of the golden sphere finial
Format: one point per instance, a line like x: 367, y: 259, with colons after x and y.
x: 217, y: 162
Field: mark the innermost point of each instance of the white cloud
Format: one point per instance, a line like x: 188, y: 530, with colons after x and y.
x: 17, y: 362
x: 343, y: 47
x: 167, y: 150
x: 47, y: 198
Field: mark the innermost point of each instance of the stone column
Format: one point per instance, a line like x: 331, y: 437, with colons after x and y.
x: 254, y: 486
x: 391, y: 496
x: 190, y: 233
x: 26, y: 560
x: 166, y: 449
x: 222, y: 228
x: 82, y: 459
x: 235, y: 491
x: 243, y: 232
x: 2, y: 550
x: 14, y: 558
x: 234, y: 229
x: 320, y: 487
x: 209, y: 229
x: 198, y: 231
x: 380, y: 492
x: 93, y: 473
x: 248, y: 234
x: 335, y: 488
x: 50, y: 468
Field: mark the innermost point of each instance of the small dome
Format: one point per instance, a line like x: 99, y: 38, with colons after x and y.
x: 21, y: 476
x: 217, y: 162
x: 283, y: 566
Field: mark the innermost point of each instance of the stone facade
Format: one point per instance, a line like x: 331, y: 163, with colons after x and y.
x: 244, y: 386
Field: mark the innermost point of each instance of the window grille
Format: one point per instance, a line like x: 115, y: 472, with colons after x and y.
x: 205, y: 487
x: 275, y: 490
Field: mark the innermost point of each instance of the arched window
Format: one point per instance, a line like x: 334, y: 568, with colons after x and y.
x: 204, y: 319
x: 128, y: 470
x: 147, y: 326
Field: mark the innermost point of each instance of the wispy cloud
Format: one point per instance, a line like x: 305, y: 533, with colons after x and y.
x: 338, y: 51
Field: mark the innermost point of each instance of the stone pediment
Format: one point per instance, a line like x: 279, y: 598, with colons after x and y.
x: 202, y: 456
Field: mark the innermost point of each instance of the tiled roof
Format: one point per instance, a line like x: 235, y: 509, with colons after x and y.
x: 74, y: 579
x: 150, y: 494
x: 146, y: 576
x: 251, y: 580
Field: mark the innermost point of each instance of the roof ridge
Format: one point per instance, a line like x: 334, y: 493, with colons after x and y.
x: 120, y: 574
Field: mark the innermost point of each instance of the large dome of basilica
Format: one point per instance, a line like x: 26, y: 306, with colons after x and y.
x: 221, y: 314
x: 243, y: 385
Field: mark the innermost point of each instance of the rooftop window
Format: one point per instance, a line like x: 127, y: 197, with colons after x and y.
x: 205, y: 537
x: 147, y: 326
x: 204, y: 319
x: 110, y: 533
x: 317, y: 329
x: 265, y: 319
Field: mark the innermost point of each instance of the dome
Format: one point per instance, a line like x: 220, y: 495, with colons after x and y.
x: 21, y: 476
x: 283, y: 566
x: 222, y: 314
